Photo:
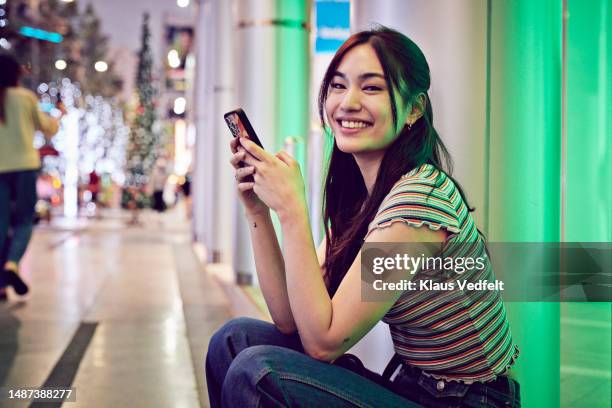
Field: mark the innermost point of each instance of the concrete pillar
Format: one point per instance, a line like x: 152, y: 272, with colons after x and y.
x: 214, y: 192
x: 222, y: 65
x: 255, y: 74
x: 203, y: 163
x: 271, y: 85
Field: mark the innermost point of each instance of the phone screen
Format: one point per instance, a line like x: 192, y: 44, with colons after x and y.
x: 236, y: 126
x: 240, y: 126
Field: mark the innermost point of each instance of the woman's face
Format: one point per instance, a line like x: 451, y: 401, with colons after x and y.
x: 358, y: 105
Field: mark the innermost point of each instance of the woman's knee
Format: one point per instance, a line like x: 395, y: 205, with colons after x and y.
x: 239, y: 326
x: 231, y: 338
x: 247, y: 371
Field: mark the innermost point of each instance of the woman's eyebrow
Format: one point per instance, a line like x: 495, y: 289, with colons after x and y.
x: 362, y: 77
x: 368, y: 75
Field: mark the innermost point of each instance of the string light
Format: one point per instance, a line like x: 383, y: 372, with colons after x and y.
x: 173, y: 59
x: 60, y: 64
x: 101, y: 66
x: 179, y: 105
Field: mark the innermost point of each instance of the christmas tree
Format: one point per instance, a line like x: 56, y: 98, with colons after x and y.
x: 144, y: 140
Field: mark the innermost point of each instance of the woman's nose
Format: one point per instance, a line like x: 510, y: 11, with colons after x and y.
x: 351, y: 101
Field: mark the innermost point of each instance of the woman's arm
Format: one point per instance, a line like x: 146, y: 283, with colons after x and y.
x: 269, y: 262
x: 270, y: 266
x: 329, y: 327
x: 271, y: 270
x: 43, y: 122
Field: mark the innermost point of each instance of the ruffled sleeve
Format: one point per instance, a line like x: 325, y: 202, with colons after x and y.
x: 421, y: 197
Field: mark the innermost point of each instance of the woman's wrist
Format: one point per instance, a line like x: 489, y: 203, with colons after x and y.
x: 293, y: 212
x: 255, y: 214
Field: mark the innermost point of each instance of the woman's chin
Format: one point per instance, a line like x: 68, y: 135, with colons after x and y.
x: 355, y: 146
x: 349, y: 147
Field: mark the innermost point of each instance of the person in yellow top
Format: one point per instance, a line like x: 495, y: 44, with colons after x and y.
x: 20, y: 117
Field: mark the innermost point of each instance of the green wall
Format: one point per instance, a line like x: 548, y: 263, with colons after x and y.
x: 525, y: 168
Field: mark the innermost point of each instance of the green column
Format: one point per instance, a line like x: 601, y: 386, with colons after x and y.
x: 588, y: 113
x: 586, y: 340
x: 292, y: 86
x: 524, y: 172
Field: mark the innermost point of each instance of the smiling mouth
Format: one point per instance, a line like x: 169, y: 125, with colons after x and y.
x: 354, y: 124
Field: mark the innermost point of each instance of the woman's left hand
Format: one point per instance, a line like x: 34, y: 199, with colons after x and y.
x: 278, y: 181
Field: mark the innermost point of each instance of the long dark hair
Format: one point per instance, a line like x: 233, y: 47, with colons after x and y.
x: 10, y: 72
x: 348, y: 209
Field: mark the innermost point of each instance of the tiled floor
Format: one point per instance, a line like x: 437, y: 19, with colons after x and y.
x: 154, y: 304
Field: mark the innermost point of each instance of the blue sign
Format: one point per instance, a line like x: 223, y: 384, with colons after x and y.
x: 333, y: 24
x: 41, y: 34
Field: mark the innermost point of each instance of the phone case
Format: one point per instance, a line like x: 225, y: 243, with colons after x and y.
x: 240, y: 126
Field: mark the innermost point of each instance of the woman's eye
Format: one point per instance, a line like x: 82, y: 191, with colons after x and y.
x: 336, y: 85
x: 372, y: 88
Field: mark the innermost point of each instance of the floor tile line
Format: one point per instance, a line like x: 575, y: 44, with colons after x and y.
x: 63, y: 373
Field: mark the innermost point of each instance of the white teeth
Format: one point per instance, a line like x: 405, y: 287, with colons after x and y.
x: 353, y: 125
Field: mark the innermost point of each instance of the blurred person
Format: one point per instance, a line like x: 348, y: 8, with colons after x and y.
x: 186, y: 188
x: 388, y: 181
x: 20, y: 117
x: 93, y: 186
x: 159, y: 177
x: 132, y: 198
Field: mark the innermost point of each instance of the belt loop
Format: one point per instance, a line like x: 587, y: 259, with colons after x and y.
x: 396, y: 361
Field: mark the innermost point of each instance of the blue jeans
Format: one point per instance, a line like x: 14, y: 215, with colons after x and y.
x: 251, y: 364
x: 17, y: 202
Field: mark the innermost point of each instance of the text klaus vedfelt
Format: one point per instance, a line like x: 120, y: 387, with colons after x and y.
x: 411, y: 264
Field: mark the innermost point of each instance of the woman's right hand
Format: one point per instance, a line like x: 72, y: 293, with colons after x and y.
x: 243, y: 175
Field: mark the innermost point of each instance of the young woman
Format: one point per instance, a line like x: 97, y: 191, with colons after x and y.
x: 19, y: 164
x: 385, y: 183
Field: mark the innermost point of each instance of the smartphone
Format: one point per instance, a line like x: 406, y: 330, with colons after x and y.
x: 240, y: 126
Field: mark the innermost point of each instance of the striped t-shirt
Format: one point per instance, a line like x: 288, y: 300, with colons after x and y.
x: 452, y: 335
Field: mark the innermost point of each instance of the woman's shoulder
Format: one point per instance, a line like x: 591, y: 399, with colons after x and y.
x: 21, y: 93
x: 426, y: 177
x: 421, y: 196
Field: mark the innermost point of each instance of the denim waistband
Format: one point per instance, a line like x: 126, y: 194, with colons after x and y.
x: 413, y: 383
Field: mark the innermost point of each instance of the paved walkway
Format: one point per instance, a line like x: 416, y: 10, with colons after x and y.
x: 122, y: 314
